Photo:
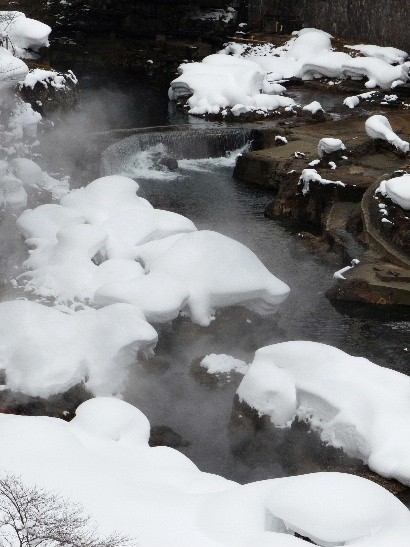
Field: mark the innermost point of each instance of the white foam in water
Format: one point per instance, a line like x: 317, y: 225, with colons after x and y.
x: 207, y: 164
x: 144, y: 164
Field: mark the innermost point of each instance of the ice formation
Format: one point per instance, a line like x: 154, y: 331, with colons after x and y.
x: 398, y: 190
x: 378, y: 127
x: 353, y: 403
x: 45, y: 351
x: 87, y: 249
x: 103, y: 454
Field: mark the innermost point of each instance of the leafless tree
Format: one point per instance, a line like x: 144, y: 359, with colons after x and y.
x: 33, y: 517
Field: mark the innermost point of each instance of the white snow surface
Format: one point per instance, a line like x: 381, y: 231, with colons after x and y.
x: 45, y: 351
x: 313, y: 107
x: 327, y: 145
x: 104, y: 244
x: 103, y: 454
x: 221, y: 81
x: 378, y: 127
x: 197, y: 268
x: 353, y: 403
x: 247, y: 70
x: 391, y: 55
x: 48, y: 78
x: 23, y: 33
x: 398, y: 190
x: 311, y: 175
x: 12, y: 69
x: 215, y: 363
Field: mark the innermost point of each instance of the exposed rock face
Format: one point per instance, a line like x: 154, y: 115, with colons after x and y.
x: 374, y: 21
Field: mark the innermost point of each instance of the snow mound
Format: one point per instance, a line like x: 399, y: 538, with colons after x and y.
x: 200, y: 264
x: 390, y: 55
x: 217, y: 82
x: 104, y: 197
x: 378, y: 72
x: 223, y: 364
x: 329, y: 145
x: 378, y: 127
x: 398, y: 190
x: 66, y: 270
x: 353, y: 403
x: 104, y: 453
x: 32, y: 175
x: 45, y: 351
x: 23, y: 33
x: 12, y: 70
x: 104, y: 244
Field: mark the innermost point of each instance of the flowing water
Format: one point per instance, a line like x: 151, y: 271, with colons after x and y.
x: 170, y: 388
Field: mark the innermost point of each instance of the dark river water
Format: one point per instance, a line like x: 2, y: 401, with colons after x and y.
x: 169, y: 388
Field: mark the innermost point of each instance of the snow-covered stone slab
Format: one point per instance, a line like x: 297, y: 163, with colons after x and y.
x: 353, y: 403
x: 45, y: 351
x: 378, y: 127
x: 103, y: 453
x: 398, y: 190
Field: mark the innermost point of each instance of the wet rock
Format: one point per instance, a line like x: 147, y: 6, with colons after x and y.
x: 162, y: 435
x: 169, y: 163
x: 48, y: 97
x: 62, y: 405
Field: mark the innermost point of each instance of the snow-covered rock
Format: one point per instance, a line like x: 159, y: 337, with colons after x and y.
x: 44, y: 351
x: 215, y: 363
x: 378, y: 127
x: 200, y: 265
x: 311, y: 175
x: 328, y: 145
x: 104, y: 197
x: 87, y: 250
x: 390, y: 55
x: 398, y: 190
x: 353, y: 403
x: 12, y: 70
x: 103, y: 454
x: 23, y: 33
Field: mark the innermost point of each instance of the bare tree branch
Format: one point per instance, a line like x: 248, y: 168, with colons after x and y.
x: 33, y: 517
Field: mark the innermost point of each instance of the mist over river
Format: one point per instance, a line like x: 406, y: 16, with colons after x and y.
x: 170, y: 387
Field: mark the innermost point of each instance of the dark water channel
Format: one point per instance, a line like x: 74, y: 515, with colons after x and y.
x: 170, y: 388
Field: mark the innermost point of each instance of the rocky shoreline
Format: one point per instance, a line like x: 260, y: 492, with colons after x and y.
x: 335, y: 219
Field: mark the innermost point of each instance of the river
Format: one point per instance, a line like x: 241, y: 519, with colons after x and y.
x: 168, y: 388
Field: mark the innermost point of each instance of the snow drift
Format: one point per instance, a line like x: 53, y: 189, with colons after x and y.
x: 103, y: 454
x: 353, y: 403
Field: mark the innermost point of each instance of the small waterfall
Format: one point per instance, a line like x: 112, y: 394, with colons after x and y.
x: 183, y: 144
